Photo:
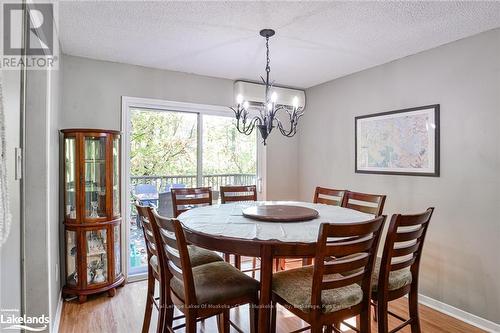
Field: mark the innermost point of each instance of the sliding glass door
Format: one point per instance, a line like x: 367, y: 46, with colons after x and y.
x: 173, y: 149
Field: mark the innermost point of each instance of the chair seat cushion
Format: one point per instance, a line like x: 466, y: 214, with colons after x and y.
x: 198, y: 256
x: 201, y: 256
x: 397, y: 279
x: 295, y: 287
x: 217, y: 283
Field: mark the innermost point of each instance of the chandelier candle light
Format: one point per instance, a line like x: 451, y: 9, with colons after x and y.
x: 266, y: 119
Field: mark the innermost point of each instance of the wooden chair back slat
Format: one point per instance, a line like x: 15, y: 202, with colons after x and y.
x: 403, y: 246
x: 359, y: 241
x: 175, y: 271
x: 346, y: 264
x: 238, y: 193
x: 184, y: 199
x: 342, y: 281
x: 363, y: 202
x: 405, y: 236
x: 402, y: 264
x: 175, y: 248
x: 168, y: 240
x: 349, y: 248
x: 329, y: 196
x: 404, y: 250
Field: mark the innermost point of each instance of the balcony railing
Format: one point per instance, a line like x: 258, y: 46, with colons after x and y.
x: 214, y: 181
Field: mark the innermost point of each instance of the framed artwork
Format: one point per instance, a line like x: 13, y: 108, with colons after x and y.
x: 402, y: 142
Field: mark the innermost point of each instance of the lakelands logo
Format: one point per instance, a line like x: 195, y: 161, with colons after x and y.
x: 32, y: 324
x: 38, y: 51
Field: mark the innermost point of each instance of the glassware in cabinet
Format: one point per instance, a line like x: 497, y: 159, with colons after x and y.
x: 97, y: 256
x: 95, y: 177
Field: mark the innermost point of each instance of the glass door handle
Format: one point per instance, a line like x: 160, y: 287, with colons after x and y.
x: 259, y: 185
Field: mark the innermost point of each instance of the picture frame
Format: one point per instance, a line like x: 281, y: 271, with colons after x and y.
x: 400, y: 142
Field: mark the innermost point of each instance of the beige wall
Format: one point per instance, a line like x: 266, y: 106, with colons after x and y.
x: 92, y: 98
x: 461, y: 263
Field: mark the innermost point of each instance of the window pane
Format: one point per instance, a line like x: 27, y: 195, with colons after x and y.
x: 229, y: 157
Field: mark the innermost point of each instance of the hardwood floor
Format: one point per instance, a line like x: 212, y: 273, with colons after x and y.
x: 124, y: 313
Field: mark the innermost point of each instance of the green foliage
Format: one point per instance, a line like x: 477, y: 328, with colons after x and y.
x: 164, y: 144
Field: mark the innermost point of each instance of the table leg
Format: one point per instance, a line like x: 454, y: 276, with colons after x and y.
x: 266, y: 276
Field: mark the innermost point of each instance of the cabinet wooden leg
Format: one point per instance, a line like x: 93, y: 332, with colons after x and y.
x: 82, y: 298
x: 112, y: 292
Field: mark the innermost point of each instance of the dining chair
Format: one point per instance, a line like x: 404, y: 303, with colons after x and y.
x: 184, y: 199
x: 328, y: 196
x: 239, y: 193
x: 156, y: 272
x: 396, y: 272
x: 206, y: 290
x: 363, y: 202
x: 331, y: 291
x: 322, y: 195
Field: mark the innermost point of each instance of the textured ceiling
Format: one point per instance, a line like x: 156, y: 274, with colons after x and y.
x: 315, y: 41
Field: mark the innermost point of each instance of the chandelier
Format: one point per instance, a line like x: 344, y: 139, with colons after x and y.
x: 265, y: 113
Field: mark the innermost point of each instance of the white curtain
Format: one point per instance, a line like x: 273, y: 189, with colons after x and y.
x: 5, y: 217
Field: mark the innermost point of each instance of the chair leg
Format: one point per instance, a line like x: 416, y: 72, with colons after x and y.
x: 413, y: 311
x: 168, y: 308
x: 254, y: 317
x: 227, y: 257
x: 162, y: 313
x: 363, y: 323
x: 328, y: 329
x: 337, y: 324
x: 282, y: 264
x: 254, y: 266
x: 273, y: 317
x: 223, y: 321
x: 383, y: 325
x: 190, y: 323
x: 375, y: 312
x: 237, y: 261
x: 316, y: 328
x: 149, y: 303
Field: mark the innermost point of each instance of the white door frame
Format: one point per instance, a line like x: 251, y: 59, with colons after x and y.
x: 165, y: 105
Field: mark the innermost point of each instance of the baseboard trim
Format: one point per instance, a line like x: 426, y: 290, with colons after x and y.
x: 57, y: 319
x: 466, y: 317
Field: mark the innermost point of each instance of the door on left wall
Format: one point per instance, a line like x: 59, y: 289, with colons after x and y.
x: 10, y: 235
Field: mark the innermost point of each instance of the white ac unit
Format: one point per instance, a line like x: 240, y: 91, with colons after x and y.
x: 255, y: 93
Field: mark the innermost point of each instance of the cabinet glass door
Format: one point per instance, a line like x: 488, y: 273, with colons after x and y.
x: 97, y: 256
x: 71, y: 246
x: 95, y: 177
x: 116, y: 240
x: 116, y: 176
x: 70, y: 178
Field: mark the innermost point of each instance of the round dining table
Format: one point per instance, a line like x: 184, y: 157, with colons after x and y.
x: 224, y: 228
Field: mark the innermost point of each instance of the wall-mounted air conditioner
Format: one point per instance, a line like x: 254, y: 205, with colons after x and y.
x: 255, y: 93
